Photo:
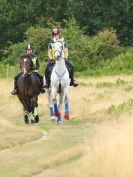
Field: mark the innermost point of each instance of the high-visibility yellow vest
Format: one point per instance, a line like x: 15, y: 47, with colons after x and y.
x: 53, y: 48
x: 34, y: 60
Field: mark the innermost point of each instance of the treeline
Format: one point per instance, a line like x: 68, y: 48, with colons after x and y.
x: 98, y: 33
x: 16, y: 16
x: 89, y: 55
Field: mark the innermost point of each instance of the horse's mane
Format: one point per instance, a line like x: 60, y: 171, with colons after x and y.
x: 28, y: 56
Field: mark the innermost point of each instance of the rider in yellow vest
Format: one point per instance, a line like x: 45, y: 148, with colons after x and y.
x: 57, y: 37
x: 35, y: 67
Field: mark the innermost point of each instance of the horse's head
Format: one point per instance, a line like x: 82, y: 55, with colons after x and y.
x: 58, y: 46
x: 26, y: 64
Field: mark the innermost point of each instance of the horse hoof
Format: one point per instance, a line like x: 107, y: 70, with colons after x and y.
x: 26, y: 120
x: 59, y: 122
x: 53, y: 118
x: 66, y: 116
x: 32, y: 121
x: 36, y: 119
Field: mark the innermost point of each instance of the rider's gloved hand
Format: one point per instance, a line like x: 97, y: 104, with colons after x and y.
x: 50, y: 60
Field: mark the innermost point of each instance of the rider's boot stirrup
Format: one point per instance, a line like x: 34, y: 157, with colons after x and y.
x: 45, y: 85
x: 75, y: 83
x: 43, y: 89
x: 14, y: 92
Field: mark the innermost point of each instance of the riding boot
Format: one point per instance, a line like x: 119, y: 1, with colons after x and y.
x: 42, y: 86
x: 15, y: 90
x: 48, y: 71
x: 47, y: 83
x: 40, y: 77
x: 73, y: 82
x: 71, y: 74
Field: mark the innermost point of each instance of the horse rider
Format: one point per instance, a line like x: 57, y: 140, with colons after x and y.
x: 36, y: 65
x: 48, y: 70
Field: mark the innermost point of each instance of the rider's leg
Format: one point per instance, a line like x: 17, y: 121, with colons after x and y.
x: 46, y: 85
x: 71, y: 74
x: 15, y: 90
x: 48, y: 71
x: 40, y: 77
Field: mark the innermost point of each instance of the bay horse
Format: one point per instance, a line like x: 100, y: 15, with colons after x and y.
x: 60, y: 82
x: 28, y: 90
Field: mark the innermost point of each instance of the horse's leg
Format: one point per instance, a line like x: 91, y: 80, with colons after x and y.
x: 34, y: 110
x: 50, y: 102
x: 57, y: 113
x: 27, y: 115
x: 30, y: 110
x: 66, y: 106
x: 36, y: 116
x: 26, y: 120
x: 61, y: 98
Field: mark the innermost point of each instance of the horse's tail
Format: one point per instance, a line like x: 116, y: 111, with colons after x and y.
x: 59, y: 88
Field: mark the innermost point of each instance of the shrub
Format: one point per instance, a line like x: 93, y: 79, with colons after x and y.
x: 86, y: 53
x: 38, y: 37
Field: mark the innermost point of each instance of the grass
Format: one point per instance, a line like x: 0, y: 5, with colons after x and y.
x: 119, y: 109
x: 119, y: 82
x: 92, y: 143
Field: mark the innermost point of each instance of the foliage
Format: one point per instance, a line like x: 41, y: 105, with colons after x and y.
x: 124, y: 107
x: 38, y: 37
x: 97, y: 55
x: 96, y: 15
x: 93, y: 16
x: 87, y: 52
x: 123, y: 63
x: 84, y: 52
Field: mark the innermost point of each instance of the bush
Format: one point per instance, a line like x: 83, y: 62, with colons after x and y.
x: 88, y: 54
x: 123, y: 63
x: 38, y: 37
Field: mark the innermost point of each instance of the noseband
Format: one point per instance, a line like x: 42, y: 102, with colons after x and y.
x: 59, y: 49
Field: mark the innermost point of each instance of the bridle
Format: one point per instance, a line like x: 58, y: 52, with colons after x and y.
x: 25, y: 72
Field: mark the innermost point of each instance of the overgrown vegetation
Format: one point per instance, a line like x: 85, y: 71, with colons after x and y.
x: 95, y: 47
x: 17, y: 16
x: 90, y: 55
x: 124, y: 107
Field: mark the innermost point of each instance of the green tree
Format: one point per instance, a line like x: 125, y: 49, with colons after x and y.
x: 94, y: 15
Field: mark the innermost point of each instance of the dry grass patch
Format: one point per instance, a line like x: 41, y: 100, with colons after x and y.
x: 84, y: 146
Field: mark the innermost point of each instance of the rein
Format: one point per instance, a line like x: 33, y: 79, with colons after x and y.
x: 61, y: 74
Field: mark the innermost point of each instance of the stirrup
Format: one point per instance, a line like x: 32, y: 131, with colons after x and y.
x: 42, y: 89
x: 75, y: 83
x: 45, y: 86
x: 14, y: 92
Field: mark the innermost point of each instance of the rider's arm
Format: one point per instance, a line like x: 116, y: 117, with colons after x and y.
x: 66, y: 53
x: 37, y: 63
x: 49, y: 54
